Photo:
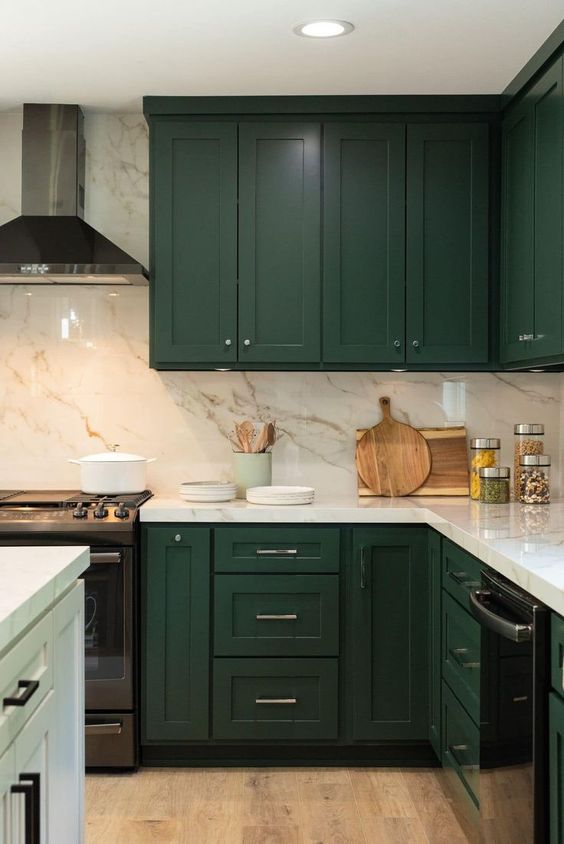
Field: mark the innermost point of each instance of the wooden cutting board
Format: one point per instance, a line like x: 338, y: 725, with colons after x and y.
x: 449, y: 463
x: 392, y: 458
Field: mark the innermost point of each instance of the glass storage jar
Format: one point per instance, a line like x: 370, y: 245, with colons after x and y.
x: 534, y: 481
x: 529, y: 439
x: 484, y: 454
x: 494, y: 484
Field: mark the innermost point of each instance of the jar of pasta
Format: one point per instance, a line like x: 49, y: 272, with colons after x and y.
x: 529, y: 440
x: 484, y: 453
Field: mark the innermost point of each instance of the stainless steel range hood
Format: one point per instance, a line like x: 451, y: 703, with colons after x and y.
x: 50, y: 243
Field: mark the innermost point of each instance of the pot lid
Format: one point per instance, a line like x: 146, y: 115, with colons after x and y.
x: 112, y: 457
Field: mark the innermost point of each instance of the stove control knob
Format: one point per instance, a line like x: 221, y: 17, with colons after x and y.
x: 81, y: 512
x: 101, y: 510
x: 121, y: 511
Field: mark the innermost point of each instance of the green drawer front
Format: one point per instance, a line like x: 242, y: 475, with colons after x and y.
x: 461, y: 743
x: 276, y: 615
x: 557, y: 653
x: 306, y: 691
x: 276, y: 549
x: 461, y: 655
x: 461, y: 572
x: 556, y: 767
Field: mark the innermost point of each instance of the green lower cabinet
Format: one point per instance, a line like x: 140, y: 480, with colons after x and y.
x: 175, y: 615
x: 461, y: 743
x: 276, y: 615
x: 556, y: 768
x: 388, y: 621
x: 435, y: 592
x: 273, y: 699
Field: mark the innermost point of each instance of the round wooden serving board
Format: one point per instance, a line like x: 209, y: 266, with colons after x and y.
x: 392, y: 458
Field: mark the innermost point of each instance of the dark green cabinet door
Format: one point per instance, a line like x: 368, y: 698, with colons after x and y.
x: 548, y: 109
x: 175, y: 633
x: 364, y: 243
x: 434, y: 552
x: 194, y: 242
x: 517, y: 247
x: 279, y: 242
x: 447, y: 243
x: 556, y: 768
x: 388, y: 618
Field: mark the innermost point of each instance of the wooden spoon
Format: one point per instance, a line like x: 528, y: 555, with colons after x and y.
x: 247, y: 435
x: 271, y: 434
x: 261, y: 442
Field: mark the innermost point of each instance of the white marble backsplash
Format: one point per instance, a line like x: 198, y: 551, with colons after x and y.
x: 74, y: 376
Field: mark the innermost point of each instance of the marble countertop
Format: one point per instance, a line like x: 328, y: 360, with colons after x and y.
x: 31, y: 579
x: 523, y: 542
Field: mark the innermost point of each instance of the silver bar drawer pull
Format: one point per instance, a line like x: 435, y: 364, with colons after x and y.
x: 291, y: 616
x: 286, y: 701
x: 277, y: 552
x: 110, y: 729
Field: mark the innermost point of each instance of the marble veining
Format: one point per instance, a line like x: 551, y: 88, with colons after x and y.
x: 31, y: 579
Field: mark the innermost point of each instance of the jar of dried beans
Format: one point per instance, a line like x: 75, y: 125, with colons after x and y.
x: 484, y: 454
x: 529, y: 439
x: 534, y: 482
x: 494, y: 485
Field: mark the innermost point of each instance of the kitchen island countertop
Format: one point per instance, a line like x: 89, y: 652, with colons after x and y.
x: 523, y: 542
x: 31, y: 579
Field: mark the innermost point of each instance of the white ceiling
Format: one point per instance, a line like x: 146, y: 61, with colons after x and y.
x: 106, y: 54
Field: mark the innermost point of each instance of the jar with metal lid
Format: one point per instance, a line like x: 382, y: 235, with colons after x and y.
x: 484, y: 454
x: 529, y: 439
x: 534, y: 481
x: 494, y: 484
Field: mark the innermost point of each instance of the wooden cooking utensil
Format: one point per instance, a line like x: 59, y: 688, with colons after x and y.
x: 271, y: 434
x: 392, y: 458
x: 261, y: 441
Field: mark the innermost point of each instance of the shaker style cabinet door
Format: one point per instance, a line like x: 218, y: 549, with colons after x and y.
x: 279, y: 242
x: 389, y: 612
x: 364, y: 243
x: 194, y: 242
x: 175, y: 633
x: 517, y: 235
x: 447, y: 243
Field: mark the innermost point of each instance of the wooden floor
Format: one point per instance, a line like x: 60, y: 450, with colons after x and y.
x: 269, y: 806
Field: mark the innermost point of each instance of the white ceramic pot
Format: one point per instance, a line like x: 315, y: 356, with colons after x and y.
x: 112, y: 472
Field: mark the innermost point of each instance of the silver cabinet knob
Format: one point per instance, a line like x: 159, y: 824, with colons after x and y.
x: 528, y: 336
x: 415, y: 344
x: 228, y: 342
x: 246, y: 342
x: 178, y: 537
x: 397, y: 344
x: 521, y: 338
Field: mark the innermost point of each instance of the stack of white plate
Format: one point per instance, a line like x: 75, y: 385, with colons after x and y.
x: 208, y: 491
x: 280, y: 495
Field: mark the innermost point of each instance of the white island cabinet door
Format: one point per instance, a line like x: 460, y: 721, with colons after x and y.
x: 67, y: 786
x: 34, y: 755
x: 7, y: 780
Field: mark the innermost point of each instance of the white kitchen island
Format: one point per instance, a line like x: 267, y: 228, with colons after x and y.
x: 42, y: 694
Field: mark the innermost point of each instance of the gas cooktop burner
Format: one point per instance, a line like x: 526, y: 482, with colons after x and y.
x: 58, y: 509
x: 65, y: 499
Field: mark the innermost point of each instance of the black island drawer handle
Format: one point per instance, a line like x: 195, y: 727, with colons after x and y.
x: 291, y: 616
x: 29, y: 786
x: 286, y: 701
x: 30, y: 687
x: 277, y: 552
x: 458, y: 655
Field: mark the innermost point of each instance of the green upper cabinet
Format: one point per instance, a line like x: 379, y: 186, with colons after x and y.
x: 194, y: 242
x: 447, y: 243
x: 279, y: 242
x: 388, y: 633
x: 364, y: 243
x: 175, y: 633
x: 532, y: 272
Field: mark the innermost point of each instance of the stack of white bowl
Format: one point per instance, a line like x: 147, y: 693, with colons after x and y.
x: 275, y: 495
x: 208, y: 492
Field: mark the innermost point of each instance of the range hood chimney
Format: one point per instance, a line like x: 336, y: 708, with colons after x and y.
x: 51, y: 243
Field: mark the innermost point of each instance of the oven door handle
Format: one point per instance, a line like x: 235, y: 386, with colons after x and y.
x: 511, y: 630
x: 105, y: 558
x: 104, y: 729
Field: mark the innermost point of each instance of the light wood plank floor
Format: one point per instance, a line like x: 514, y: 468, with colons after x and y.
x: 269, y: 806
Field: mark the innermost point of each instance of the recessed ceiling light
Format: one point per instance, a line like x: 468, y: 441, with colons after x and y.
x: 323, y: 29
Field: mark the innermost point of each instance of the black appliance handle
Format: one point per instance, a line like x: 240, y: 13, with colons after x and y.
x: 30, y: 687
x: 511, y: 630
x: 105, y: 557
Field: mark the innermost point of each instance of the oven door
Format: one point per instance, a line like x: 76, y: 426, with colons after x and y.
x: 108, y: 624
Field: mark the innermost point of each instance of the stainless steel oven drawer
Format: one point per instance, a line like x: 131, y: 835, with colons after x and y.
x: 111, y: 740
